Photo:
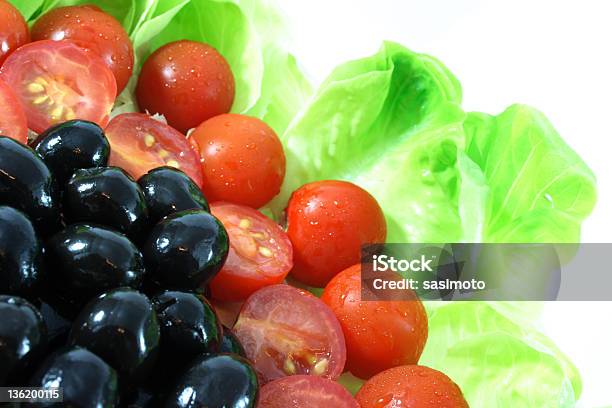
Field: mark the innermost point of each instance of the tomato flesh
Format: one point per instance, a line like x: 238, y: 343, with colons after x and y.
x: 304, y: 391
x: 287, y: 331
x: 140, y: 143
x: 242, y: 159
x: 260, y: 252
x: 58, y: 81
x: 379, y: 334
x: 410, y: 386
x: 13, y: 121
x: 92, y: 29
x: 327, y: 223
x: 13, y: 30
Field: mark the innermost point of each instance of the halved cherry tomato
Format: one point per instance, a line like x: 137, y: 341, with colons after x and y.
x: 242, y: 159
x: 287, y: 331
x: 379, y: 334
x: 140, y: 143
x: 260, y: 252
x: 92, y: 29
x: 13, y: 29
x: 411, y: 387
x: 327, y: 223
x: 58, y: 81
x: 186, y: 81
x: 13, y: 121
x: 305, y: 391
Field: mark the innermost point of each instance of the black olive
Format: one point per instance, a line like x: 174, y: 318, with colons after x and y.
x: 189, y: 328
x: 27, y: 184
x: 188, y: 323
x: 186, y: 250
x: 107, y: 196
x: 72, y: 145
x: 121, y: 327
x: 169, y: 190
x: 230, y: 343
x: 23, y: 338
x: 86, y: 380
x: 86, y: 260
x: 21, y: 256
x: 222, y: 380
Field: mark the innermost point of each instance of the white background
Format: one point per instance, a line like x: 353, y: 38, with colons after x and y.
x: 554, y: 55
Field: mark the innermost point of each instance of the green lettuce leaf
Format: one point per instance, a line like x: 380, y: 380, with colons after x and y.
x: 537, y: 188
x: 497, y: 361
x: 393, y: 124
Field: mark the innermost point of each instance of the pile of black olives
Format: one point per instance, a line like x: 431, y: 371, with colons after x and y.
x: 103, y: 280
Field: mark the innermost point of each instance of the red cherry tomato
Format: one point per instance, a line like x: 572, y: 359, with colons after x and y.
x: 305, y: 391
x: 260, y: 252
x: 186, y: 81
x: 140, y: 143
x: 327, y: 223
x: 287, y: 331
x: 58, y: 81
x: 13, y: 30
x: 410, y: 387
x: 242, y: 159
x: 13, y: 121
x: 227, y: 312
x: 379, y: 334
x: 92, y: 29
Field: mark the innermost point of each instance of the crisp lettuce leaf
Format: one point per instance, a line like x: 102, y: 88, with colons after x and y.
x: 392, y: 123
x: 497, y: 361
x: 538, y: 188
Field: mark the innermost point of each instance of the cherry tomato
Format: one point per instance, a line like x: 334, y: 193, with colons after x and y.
x: 186, y: 81
x: 13, y: 121
x: 327, y: 223
x: 58, y: 81
x: 287, y: 331
x: 227, y: 311
x: 92, y: 29
x: 13, y: 30
x: 305, y: 391
x: 379, y: 334
x: 140, y: 143
x: 260, y: 252
x: 242, y: 159
x: 410, y: 386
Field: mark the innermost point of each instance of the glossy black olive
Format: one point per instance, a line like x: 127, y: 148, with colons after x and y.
x: 188, y: 323
x: 189, y: 328
x: 230, y: 343
x: 121, y: 327
x: 72, y: 145
x: 107, y: 196
x: 23, y: 338
x: 86, y: 260
x: 27, y: 184
x: 86, y: 380
x: 222, y: 380
x: 186, y: 250
x: 21, y: 256
x: 169, y: 190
